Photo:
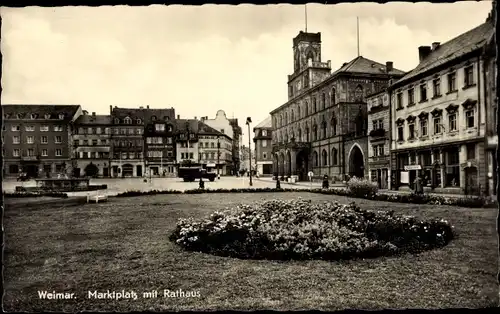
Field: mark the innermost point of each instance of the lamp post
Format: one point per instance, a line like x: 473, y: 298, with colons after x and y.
x: 218, y: 155
x: 249, y: 120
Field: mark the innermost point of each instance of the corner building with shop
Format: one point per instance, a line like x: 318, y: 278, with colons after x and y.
x: 322, y: 127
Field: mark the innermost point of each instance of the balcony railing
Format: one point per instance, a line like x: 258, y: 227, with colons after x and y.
x: 378, y: 133
x: 30, y: 158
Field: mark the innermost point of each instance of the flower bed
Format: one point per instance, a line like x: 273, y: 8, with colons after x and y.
x: 299, y: 229
x: 463, y: 201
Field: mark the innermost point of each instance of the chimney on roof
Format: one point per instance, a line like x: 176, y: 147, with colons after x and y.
x: 435, y: 45
x: 389, y: 66
x: 93, y: 114
x: 195, y: 118
x: 178, y: 117
x: 423, y: 52
x: 141, y: 107
x: 147, y: 106
x: 110, y: 109
x: 85, y: 112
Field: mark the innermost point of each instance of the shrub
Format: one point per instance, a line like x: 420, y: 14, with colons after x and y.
x: 362, y: 188
x: 299, y: 229
x: 35, y: 194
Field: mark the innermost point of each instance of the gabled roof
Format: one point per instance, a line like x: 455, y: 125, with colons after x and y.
x: 91, y: 119
x: 160, y: 114
x: 197, y: 126
x: 366, y: 66
x: 465, y: 43
x: 267, y: 123
x: 133, y: 113
x: 69, y: 111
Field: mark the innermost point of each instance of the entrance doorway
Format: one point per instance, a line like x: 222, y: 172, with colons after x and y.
x: 139, y: 170
x: 302, y: 165
x: 31, y: 170
x: 356, y: 163
x: 127, y: 170
x: 471, y: 186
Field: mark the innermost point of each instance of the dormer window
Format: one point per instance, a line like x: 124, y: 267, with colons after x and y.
x: 117, y: 121
x: 139, y: 121
x: 33, y: 116
x: 166, y: 118
x: 61, y: 116
x: 6, y: 116
x: 47, y: 116
x: 153, y: 118
x: 127, y: 120
x: 19, y: 116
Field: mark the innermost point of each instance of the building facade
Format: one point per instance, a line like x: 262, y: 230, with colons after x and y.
x: 127, y: 142
x: 263, y: 147
x: 92, y: 145
x: 236, y: 145
x: 229, y: 127
x: 159, y: 144
x: 186, y: 141
x: 379, y: 169
x: 439, y: 117
x: 322, y: 127
x: 215, y: 150
x: 37, y: 139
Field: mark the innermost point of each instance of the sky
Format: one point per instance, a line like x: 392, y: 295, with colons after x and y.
x: 199, y: 59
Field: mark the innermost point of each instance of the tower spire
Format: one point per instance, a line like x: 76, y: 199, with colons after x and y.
x: 305, y: 11
x: 357, y: 32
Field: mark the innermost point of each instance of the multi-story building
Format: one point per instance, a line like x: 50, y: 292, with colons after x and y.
x: 322, y: 127
x: 186, y: 141
x: 379, y: 168
x: 92, y: 145
x: 263, y: 147
x: 127, y: 142
x: 491, y: 106
x: 37, y: 139
x: 237, y: 142
x: 215, y: 149
x: 439, y: 120
x: 247, y: 159
x: 159, y: 146
x: 229, y: 127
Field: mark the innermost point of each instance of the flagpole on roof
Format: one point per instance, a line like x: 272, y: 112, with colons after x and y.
x: 305, y: 11
x: 357, y: 32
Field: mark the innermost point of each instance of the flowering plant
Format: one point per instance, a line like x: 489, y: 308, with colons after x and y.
x: 300, y: 229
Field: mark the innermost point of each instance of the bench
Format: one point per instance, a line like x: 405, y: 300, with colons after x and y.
x: 96, y: 198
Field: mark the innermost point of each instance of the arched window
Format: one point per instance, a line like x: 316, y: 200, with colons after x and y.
x: 334, y: 156
x: 127, y: 120
x: 334, y: 125
x: 306, y: 109
x: 292, y: 136
x: 358, y: 93
x: 324, y: 157
x: 307, y: 135
x: 360, y: 124
x: 315, y: 159
x: 299, y: 135
x: 139, y: 121
x: 298, y: 112
x: 212, y: 145
x: 332, y: 97
x: 275, y: 124
x: 286, y: 138
x: 315, y: 107
x: 281, y: 120
x: 310, y: 56
x: 292, y: 117
x: 315, y: 132
x: 323, y: 127
x: 117, y: 121
x: 323, y: 101
x: 286, y: 117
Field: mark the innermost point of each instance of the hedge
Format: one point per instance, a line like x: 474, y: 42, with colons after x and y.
x: 472, y: 202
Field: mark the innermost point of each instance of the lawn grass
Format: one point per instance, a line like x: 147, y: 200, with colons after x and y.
x: 123, y: 244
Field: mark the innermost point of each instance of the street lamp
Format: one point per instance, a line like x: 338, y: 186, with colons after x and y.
x: 249, y: 120
x: 218, y: 155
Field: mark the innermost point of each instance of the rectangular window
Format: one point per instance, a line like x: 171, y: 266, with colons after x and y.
x: 381, y: 150
x: 15, y: 128
x: 58, y: 128
x: 98, y: 131
x: 169, y: 140
x: 452, y: 84
x: 30, y: 128
x: 90, y: 130
x: 16, y: 139
x: 399, y: 100
x: 15, y: 153
x: 400, y: 133
x: 469, y: 118
x: 423, y: 127
x: 437, y: 87
x: 30, y: 140
x: 375, y: 125
x: 381, y: 124
x: 469, y: 76
x: 45, y: 139
x: 92, y: 155
x: 182, y: 156
x: 264, y: 143
x: 123, y: 131
x: 453, y: 122
x: 426, y: 158
x: 58, y: 139
x: 191, y: 156
x: 124, y: 155
x: 411, y: 97
x: 437, y: 125
x: 31, y: 152
x: 94, y: 142
x: 264, y: 132
x: 471, y: 151
x: 130, y: 131
x: 159, y: 127
x: 423, y: 92
x: 375, y: 150
x: 411, y: 129
x: 45, y: 153
x: 58, y: 152
x: 264, y: 155
x: 44, y: 128
x: 452, y: 175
